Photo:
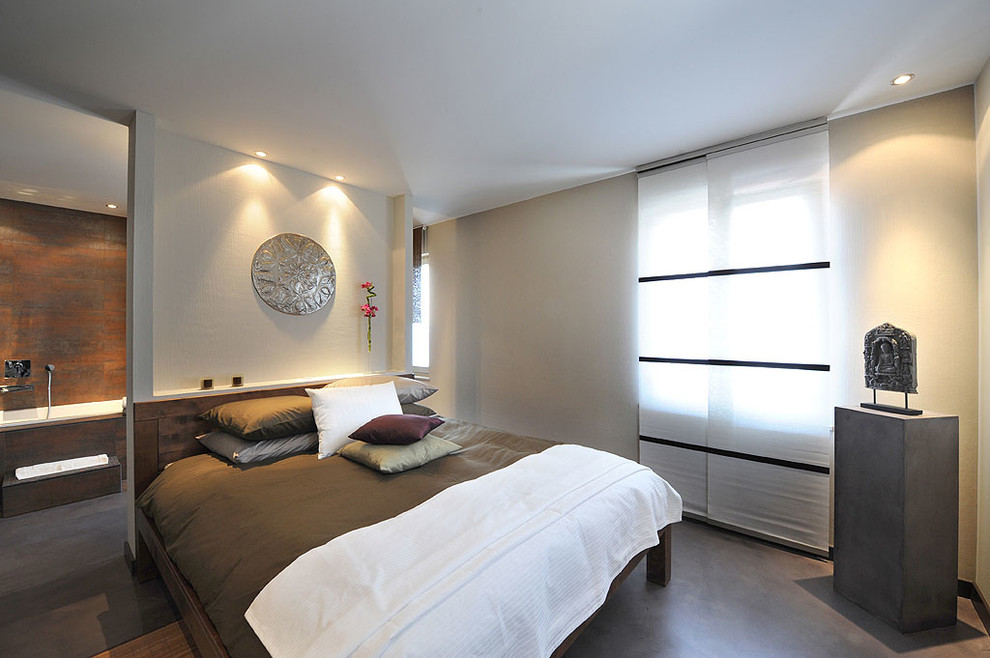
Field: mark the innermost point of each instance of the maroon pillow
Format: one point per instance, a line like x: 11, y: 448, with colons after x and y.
x: 396, y: 429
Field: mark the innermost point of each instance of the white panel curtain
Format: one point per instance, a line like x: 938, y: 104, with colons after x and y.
x: 735, y: 391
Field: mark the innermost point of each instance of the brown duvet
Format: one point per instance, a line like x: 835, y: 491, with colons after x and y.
x: 230, y: 529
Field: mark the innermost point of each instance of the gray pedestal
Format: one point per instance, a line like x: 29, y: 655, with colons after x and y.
x: 897, y: 515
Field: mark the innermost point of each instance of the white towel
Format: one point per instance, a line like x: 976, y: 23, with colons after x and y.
x: 50, y: 468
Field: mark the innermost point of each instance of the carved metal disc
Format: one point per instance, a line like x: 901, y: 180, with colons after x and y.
x: 293, y: 274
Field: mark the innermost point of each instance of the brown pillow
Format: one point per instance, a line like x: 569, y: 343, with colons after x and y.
x: 264, y: 418
x: 396, y: 429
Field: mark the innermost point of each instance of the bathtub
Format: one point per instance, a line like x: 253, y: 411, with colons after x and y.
x: 28, y: 439
x: 16, y: 417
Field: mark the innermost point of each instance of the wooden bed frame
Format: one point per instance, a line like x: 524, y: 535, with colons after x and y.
x: 165, y: 431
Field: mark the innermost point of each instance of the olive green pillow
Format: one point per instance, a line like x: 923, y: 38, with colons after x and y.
x: 395, y: 459
x: 264, y: 418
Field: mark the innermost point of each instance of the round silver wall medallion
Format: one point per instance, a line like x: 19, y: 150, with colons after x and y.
x: 293, y: 274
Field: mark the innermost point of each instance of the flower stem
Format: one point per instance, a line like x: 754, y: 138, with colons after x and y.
x: 371, y: 293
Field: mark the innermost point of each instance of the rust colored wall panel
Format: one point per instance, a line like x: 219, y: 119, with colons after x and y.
x: 63, y: 280
x: 45, y: 226
x: 115, y: 296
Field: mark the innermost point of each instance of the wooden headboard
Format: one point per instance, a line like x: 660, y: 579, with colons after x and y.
x: 165, y: 430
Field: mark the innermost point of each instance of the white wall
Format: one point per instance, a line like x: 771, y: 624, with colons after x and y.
x: 140, y: 256
x: 212, y: 209
x: 197, y: 214
x: 983, y: 187
x: 534, y: 313
x: 401, y: 311
x: 903, y: 199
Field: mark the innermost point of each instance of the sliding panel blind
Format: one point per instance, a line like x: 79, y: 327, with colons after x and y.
x: 734, y: 342
x: 673, y: 240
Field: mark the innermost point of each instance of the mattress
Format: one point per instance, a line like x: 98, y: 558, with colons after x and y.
x: 230, y: 529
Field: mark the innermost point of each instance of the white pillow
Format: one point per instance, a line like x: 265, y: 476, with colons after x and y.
x: 340, y: 411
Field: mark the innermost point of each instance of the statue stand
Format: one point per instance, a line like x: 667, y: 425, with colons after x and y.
x: 905, y: 410
x: 896, y: 484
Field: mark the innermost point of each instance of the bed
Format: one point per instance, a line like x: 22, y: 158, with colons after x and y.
x: 218, y: 533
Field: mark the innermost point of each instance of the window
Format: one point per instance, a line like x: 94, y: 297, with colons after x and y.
x: 421, y: 301
x: 735, y: 388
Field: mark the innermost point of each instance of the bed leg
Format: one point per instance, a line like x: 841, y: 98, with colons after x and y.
x: 658, y: 560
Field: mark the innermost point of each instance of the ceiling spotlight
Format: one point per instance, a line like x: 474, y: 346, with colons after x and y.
x: 902, y: 79
x: 338, y: 177
x: 112, y: 206
x: 261, y: 154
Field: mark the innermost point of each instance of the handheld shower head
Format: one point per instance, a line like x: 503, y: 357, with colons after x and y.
x: 50, y: 368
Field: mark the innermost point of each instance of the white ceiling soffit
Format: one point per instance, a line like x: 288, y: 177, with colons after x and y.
x: 59, y: 157
x: 470, y: 104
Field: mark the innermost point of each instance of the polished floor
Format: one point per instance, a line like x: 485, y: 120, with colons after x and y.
x: 733, y: 596
x: 65, y: 588
x: 65, y: 591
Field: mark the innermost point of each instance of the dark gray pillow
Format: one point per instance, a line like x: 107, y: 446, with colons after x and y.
x: 408, y: 390
x: 240, y: 451
x: 264, y: 418
x: 417, y: 410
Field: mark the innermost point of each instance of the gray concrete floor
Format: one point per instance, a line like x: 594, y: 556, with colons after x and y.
x: 65, y: 590
x: 733, y: 596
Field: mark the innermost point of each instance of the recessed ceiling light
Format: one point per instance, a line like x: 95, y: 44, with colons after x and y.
x: 261, y: 154
x: 338, y: 177
x: 902, y: 79
x: 112, y: 206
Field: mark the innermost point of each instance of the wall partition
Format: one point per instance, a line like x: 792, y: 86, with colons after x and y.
x: 734, y: 283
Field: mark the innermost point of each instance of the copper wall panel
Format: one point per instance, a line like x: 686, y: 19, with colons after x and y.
x: 63, y: 277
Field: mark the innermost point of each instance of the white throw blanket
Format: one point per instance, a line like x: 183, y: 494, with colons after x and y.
x: 507, y: 564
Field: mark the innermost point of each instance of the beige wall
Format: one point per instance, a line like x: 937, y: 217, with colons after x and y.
x: 212, y: 209
x: 534, y: 303
x: 983, y: 187
x: 903, y: 199
x: 534, y: 312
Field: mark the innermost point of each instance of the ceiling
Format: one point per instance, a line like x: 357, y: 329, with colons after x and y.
x: 60, y: 157
x: 470, y: 104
